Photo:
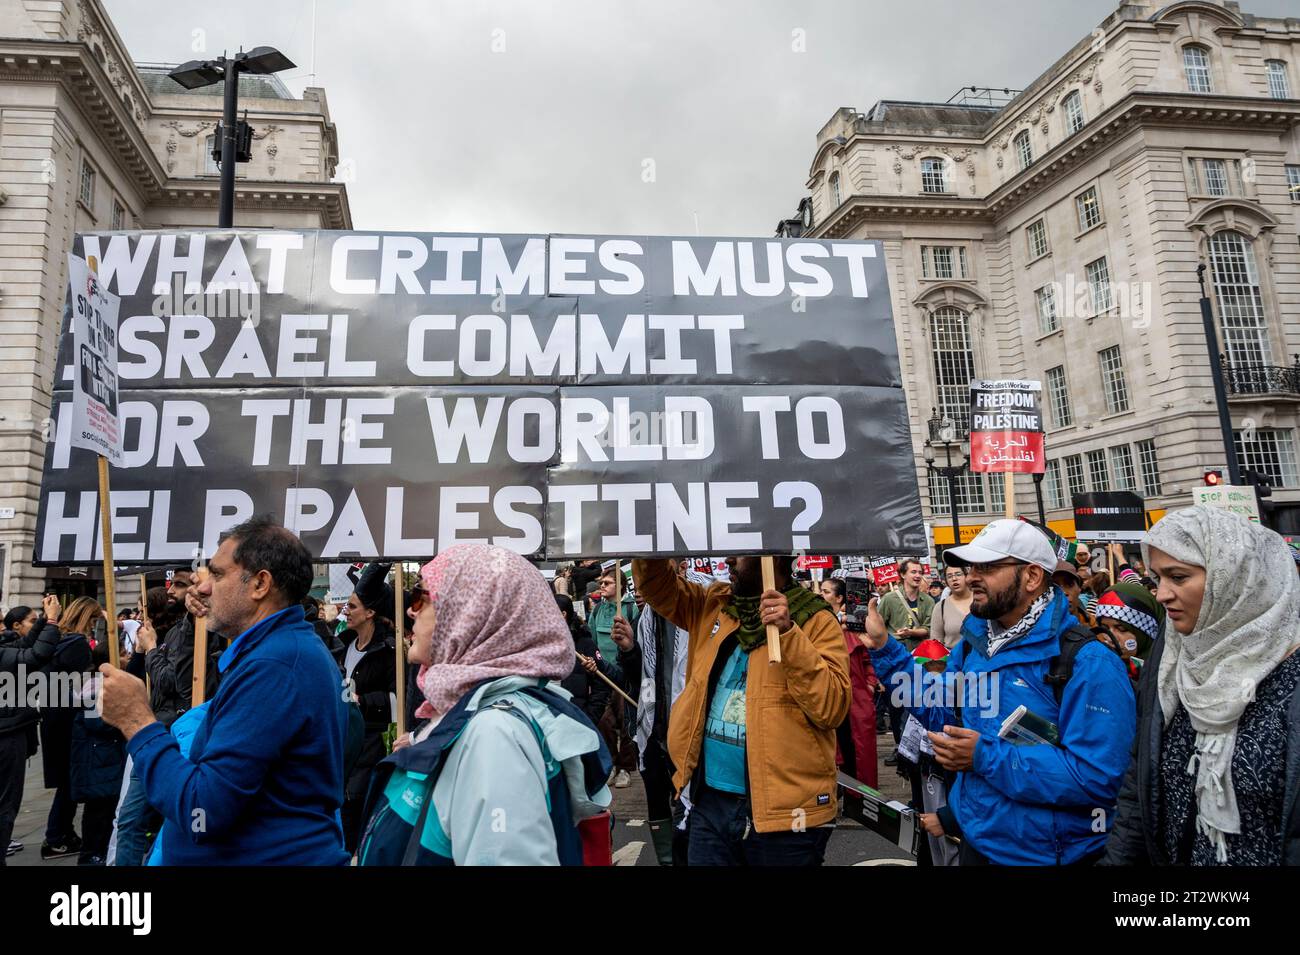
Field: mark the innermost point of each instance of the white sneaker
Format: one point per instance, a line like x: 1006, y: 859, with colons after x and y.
x: 14, y: 846
x: 622, y: 780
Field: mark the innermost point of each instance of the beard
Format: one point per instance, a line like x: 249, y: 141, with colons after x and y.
x: 1000, y: 603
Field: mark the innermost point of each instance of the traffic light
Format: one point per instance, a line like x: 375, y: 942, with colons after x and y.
x: 1213, y: 478
x: 1263, y: 486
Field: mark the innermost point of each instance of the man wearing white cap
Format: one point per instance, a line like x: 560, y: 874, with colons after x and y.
x: 1016, y: 803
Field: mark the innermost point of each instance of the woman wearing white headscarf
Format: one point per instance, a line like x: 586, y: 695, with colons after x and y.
x: 1216, y: 767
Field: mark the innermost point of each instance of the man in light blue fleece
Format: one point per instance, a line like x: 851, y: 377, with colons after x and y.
x: 263, y: 783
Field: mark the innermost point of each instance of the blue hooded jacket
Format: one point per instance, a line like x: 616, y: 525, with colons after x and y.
x: 264, y: 779
x: 1039, y: 804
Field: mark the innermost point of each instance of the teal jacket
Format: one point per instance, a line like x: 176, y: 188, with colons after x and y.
x: 492, y: 797
x: 601, y: 624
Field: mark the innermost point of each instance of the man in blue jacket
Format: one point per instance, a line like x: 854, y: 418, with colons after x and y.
x: 1041, y: 804
x: 263, y: 783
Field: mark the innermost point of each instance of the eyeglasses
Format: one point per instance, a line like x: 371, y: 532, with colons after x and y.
x: 985, y: 569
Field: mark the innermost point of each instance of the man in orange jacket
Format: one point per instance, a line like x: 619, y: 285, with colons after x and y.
x: 754, y: 739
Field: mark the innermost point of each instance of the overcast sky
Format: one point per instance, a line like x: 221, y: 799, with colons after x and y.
x: 549, y: 115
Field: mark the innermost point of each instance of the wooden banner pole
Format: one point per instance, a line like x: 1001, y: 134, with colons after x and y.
x: 399, y: 626
x: 773, y: 635
x: 613, y: 686
x: 144, y: 601
x: 199, y: 683
x: 110, y: 594
x: 618, y: 590
x: 1009, y: 492
x: 106, y: 529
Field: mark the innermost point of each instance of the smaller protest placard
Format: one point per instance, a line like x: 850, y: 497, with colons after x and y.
x: 1240, y: 499
x: 808, y: 562
x: 884, y: 570
x: 1006, y: 427
x: 95, y: 424
x: 1110, y: 516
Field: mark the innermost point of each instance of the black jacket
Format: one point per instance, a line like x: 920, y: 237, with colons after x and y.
x: 171, y: 670
x: 331, y: 640
x: 1133, y: 838
x: 33, y: 651
x: 72, y: 655
x: 590, y: 693
x: 374, y: 678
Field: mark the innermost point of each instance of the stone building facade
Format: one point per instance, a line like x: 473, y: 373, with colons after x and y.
x: 1057, y: 237
x: 89, y: 141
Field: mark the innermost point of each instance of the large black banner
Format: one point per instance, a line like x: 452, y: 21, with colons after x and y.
x: 386, y: 395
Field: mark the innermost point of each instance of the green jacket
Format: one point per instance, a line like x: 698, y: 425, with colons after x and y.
x: 898, y: 615
x: 601, y: 625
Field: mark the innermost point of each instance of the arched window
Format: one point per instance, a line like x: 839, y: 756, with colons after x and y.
x: 934, y: 174
x: 1241, y: 305
x: 1024, y: 149
x: 1196, y: 67
x: 954, y: 363
x: 1278, y: 87
x: 835, y: 190
x: 1072, y: 110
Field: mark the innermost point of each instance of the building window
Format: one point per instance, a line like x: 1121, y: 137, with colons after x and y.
x: 1059, y: 395
x: 1048, y: 318
x: 954, y: 363
x: 970, y: 494
x: 1215, y: 177
x: 118, y: 220
x: 210, y: 166
x: 1271, y: 452
x: 1074, y: 475
x: 997, y: 494
x: 1112, y: 380
x: 934, y: 175
x: 1024, y: 149
x: 1099, y: 285
x: 1278, y: 86
x: 1293, y: 182
x: 944, y: 262
x: 1097, y: 471
x: 1036, y: 232
x: 1073, y: 107
x: 1196, y: 66
x: 1088, y: 207
x: 1241, y: 305
x: 1150, y: 468
x: 835, y: 190
x: 1055, y: 499
x: 1121, y: 462
x: 87, y: 192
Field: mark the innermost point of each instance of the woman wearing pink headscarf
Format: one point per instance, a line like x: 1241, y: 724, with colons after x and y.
x: 500, y: 742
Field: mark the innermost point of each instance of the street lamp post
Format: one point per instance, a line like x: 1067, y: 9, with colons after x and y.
x: 943, y: 434
x: 1216, y: 378
x: 197, y: 73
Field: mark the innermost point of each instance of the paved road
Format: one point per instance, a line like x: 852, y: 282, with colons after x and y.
x: 29, y: 828
x: 850, y: 845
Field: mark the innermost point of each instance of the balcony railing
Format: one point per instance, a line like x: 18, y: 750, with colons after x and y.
x: 960, y: 433
x: 1252, y: 379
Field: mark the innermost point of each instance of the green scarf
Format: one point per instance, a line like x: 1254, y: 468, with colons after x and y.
x: 751, y: 633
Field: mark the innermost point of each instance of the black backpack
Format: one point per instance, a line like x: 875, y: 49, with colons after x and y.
x: 1061, y: 667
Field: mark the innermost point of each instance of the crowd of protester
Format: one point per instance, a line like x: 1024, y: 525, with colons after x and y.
x: 1041, y: 711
